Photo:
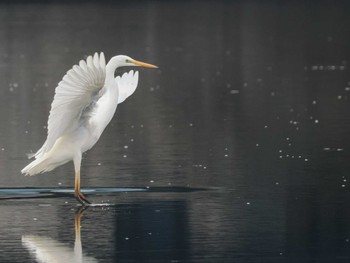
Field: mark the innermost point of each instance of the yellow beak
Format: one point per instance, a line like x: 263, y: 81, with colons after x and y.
x: 143, y: 64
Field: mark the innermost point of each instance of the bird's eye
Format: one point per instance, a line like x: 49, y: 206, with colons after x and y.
x: 127, y: 61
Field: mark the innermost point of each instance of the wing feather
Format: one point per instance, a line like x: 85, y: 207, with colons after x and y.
x: 73, y: 94
x: 127, y: 84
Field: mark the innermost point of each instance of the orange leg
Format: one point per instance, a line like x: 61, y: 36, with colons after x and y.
x: 77, y: 193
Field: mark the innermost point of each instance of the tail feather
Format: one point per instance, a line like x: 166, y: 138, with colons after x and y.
x: 38, y: 166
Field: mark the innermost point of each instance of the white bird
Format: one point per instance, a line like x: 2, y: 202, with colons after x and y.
x: 84, y: 103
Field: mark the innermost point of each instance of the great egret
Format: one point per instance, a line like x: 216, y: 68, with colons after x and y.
x: 84, y: 103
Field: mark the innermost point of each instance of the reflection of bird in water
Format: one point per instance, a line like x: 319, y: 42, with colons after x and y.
x: 48, y: 250
x: 84, y: 104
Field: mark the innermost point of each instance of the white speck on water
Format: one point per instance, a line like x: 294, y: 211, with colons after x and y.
x: 248, y: 203
x: 124, y: 156
x: 204, y: 167
x: 287, y: 138
x: 126, y: 147
x: 277, y: 183
x: 280, y: 151
x: 316, y: 121
x: 265, y: 126
x: 314, y: 102
x: 131, y: 139
x: 293, y: 156
x: 46, y: 84
x: 26, y: 132
x: 339, y: 97
x: 126, y: 238
x: 299, y: 156
x: 35, y: 219
x: 347, y: 88
x: 343, y: 185
x: 347, y: 240
x: 272, y: 93
x: 141, y: 125
x: 226, y: 155
x: 99, y: 164
x: 291, y: 110
x: 257, y: 145
x: 289, y: 144
x: 228, y: 85
x: 149, y: 233
x: 151, y: 181
x: 2, y: 149
x: 306, y: 160
x: 326, y: 149
x: 281, y: 156
x: 234, y: 91
x: 287, y: 155
x: 15, y: 85
x: 151, y: 89
x: 245, y: 84
x: 11, y: 89
x: 191, y: 124
x: 59, y: 183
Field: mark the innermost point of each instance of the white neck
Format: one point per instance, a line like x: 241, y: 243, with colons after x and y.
x: 112, y: 66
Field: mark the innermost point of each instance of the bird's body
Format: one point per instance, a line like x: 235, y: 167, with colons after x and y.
x: 85, y: 102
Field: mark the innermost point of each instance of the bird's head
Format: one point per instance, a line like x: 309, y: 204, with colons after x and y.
x: 125, y: 61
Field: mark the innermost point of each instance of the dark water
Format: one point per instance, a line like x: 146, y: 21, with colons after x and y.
x: 235, y: 150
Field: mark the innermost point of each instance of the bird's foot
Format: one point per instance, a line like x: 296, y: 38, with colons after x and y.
x: 81, y: 198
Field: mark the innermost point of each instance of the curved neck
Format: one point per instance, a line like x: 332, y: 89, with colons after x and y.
x: 111, y: 67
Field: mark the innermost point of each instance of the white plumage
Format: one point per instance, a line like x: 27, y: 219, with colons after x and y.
x: 84, y: 103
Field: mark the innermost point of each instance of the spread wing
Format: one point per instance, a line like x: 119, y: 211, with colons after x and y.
x: 127, y: 84
x: 73, y: 94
